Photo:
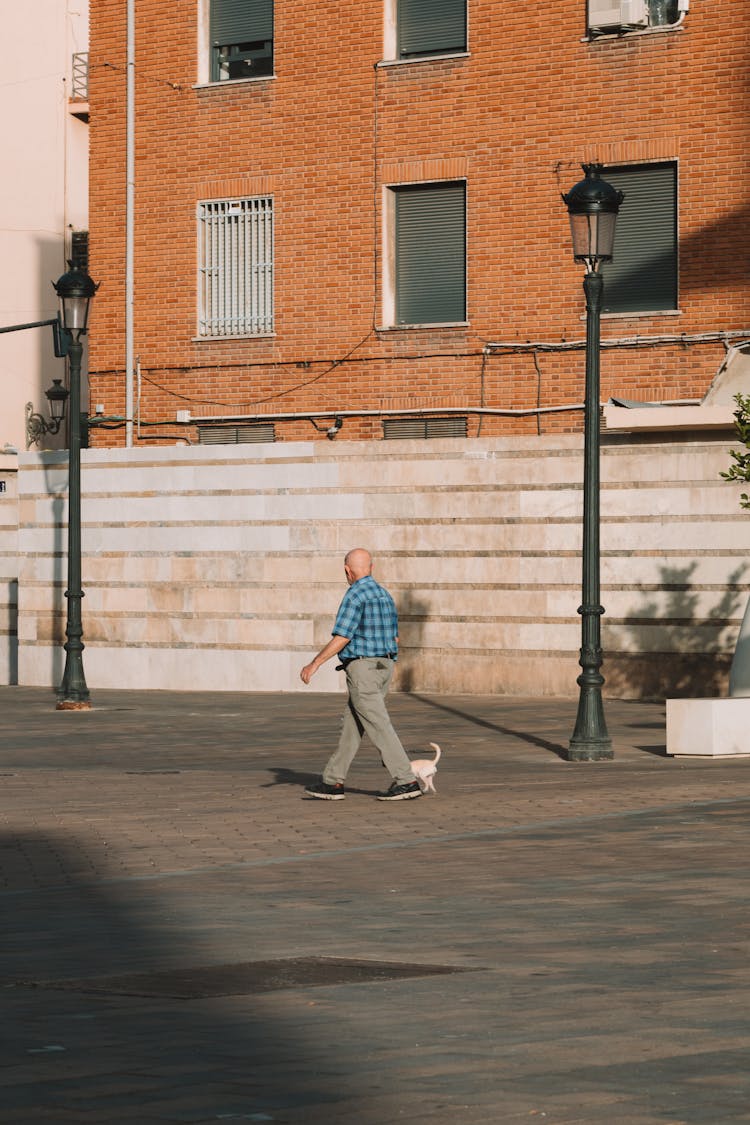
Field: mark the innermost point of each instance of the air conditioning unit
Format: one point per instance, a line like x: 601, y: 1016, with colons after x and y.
x: 609, y: 15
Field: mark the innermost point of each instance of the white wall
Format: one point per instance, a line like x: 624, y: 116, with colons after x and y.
x: 45, y: 159
x: 221, y: 567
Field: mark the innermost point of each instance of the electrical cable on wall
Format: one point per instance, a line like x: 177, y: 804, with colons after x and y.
x: 157, y: 81
x: 490, y: 348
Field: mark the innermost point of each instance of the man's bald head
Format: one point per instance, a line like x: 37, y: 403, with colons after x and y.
x: 358, y: 563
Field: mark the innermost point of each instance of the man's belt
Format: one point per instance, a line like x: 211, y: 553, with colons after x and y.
x: 350, y: 659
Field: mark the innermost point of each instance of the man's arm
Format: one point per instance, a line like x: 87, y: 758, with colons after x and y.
x: 333, y: 648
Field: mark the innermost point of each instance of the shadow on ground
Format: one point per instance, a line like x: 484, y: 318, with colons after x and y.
x: 76, y: 1048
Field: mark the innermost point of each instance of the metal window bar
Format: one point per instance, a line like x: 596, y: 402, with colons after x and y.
x: 80, y: 84
x: 236, y: 267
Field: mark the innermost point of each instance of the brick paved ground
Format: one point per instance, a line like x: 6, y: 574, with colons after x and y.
x: 598, y: 914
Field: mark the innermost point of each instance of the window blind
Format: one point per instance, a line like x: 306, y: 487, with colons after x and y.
x: 427, y: 27
x: 430, y: 253
x: 642, y: 276
x: 241, y: 21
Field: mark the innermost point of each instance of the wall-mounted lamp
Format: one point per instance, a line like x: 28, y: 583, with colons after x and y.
x: 36, y: 425
x: 329, y: 431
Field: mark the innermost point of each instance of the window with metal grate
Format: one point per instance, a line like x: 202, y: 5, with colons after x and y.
x: 235, y: 250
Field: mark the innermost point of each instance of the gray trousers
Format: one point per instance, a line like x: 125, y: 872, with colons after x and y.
x: 367, y: 680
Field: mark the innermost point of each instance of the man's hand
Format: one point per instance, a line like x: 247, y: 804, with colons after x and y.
x: 333, y: 648
x: 308, y: 672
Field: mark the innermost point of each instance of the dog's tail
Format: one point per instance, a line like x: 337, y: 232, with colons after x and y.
x: 436, y: 748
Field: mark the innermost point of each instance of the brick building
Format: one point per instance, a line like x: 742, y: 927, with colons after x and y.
x: 352, y: 211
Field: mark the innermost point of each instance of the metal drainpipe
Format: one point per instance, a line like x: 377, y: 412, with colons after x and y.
x: 129, y: 219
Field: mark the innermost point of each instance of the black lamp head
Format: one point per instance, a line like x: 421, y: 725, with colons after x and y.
x: 75, y: 290
x: 57, y: 396
x: 593, y: 205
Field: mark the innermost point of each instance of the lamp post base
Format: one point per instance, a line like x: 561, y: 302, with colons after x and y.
x: 590, y: 752
x: 590, y: 741
x: 73, y: 705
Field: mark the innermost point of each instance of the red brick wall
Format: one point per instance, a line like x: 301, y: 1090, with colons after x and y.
x: 515, y: 118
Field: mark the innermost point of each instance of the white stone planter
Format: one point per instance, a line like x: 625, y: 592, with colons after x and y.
x: 708, y: 728
x: 716, y: 728
x: 739, y: 673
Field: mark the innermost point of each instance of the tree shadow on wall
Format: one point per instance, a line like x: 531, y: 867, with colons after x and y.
x: 414, y: 612
x: 693, y: 657
x: 714, y: 256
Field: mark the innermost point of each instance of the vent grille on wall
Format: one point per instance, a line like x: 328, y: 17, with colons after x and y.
x: 394, y: 428
x: 236, y: 435
x: 79, y: 250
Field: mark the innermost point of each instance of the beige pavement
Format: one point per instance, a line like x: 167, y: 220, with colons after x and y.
x: 188, y: 938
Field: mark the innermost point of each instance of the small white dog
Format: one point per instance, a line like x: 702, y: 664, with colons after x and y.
x: 424, y: 770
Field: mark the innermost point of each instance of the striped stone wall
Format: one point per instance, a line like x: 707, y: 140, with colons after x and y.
x: 8, y: 569
x: 221, y: 567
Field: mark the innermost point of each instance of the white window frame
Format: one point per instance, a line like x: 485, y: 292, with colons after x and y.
x: 235, y: 255
x: 204, y: 42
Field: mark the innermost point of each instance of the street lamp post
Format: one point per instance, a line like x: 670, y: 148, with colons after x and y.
x: 592, y: 207
x: 75, y: 290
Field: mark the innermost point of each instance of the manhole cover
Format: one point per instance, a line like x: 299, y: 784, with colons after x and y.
x: 247, y: 978
x: 145, y: 773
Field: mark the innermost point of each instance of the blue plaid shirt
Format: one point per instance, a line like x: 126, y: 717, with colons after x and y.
x: 367, y: 615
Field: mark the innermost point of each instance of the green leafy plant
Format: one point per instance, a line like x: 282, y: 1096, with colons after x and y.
x: 740, y: 467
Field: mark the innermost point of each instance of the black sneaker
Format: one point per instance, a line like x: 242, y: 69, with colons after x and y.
x: 399, y: 792
x: 326, y: 792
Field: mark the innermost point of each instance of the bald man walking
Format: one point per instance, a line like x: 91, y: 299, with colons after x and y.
x: 365, y: 636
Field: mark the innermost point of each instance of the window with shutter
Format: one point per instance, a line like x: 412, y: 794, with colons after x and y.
x: 429, y: 239
x: 235, y: 267
x: 430, y: 27
x: 241, y: 39
x: 642, y: 276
